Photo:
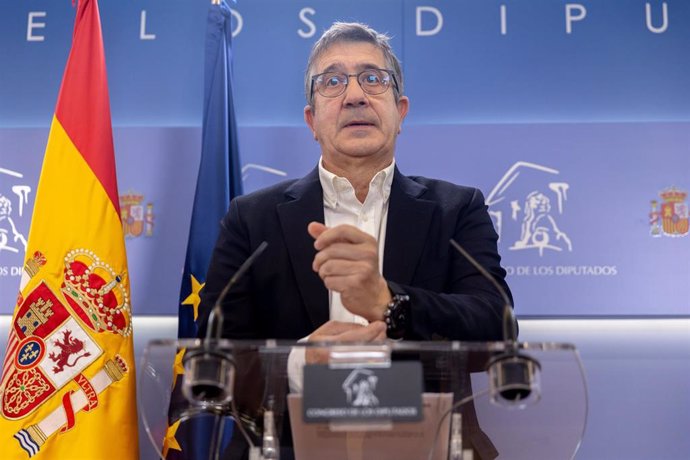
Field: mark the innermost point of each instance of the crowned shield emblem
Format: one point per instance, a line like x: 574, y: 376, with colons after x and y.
x: 132, y: 214
x: 52, y: 348
x: 672, y: 217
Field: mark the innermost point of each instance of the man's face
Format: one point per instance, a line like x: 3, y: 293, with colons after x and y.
x: 355, y: 125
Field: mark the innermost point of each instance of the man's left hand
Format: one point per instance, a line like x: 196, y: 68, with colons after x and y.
x: 348, y: 262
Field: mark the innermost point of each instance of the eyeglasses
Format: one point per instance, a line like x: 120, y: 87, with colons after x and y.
x: 372, y: 81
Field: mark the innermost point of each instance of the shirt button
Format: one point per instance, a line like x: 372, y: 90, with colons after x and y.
x: 365, y: 218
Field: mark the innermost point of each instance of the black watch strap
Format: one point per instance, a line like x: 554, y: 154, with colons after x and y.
x: 397, y: 316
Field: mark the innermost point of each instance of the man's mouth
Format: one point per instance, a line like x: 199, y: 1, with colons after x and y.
x: 355, y: 124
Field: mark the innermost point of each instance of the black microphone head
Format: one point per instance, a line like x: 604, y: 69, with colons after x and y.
x: 514, y: 379
x: 209, y: 377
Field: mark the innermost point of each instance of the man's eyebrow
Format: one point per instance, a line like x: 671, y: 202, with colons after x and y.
x: 339, y: 67
x: 333, y: 68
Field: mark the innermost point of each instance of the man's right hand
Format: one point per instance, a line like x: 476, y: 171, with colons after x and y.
x: 337, y: 331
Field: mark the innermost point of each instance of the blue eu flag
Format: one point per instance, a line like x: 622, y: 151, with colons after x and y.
x: 218, y: 182
x: 219, y: 173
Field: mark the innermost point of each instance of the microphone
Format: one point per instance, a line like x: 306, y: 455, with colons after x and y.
x: 513, y: 376
x: 209, y: 373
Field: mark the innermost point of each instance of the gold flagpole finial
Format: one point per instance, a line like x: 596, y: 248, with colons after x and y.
x: 215, y: 2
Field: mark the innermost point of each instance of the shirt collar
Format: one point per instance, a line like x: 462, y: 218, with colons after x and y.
x: 333, y: 186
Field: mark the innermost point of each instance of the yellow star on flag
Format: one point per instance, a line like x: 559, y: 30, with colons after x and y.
x: 170, y: 442
x: 193, y: 298
x: 178, y: 367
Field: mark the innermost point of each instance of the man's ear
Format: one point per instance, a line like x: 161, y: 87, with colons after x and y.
x: 403, y: 107
x: 309, y: 119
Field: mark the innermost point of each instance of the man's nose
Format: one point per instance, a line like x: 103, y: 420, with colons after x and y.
x: 354, y: 94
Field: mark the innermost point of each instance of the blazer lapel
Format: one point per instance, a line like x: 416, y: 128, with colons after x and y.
x: 305, y: 204
x: 409, y: 218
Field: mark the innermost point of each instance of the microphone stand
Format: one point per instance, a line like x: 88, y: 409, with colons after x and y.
x: 513, y: 376
x: 209, y: 370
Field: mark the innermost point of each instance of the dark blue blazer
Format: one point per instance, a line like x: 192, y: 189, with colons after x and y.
x: 282, y: 297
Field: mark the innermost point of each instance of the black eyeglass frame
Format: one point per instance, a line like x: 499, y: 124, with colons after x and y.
x: 356, y: 75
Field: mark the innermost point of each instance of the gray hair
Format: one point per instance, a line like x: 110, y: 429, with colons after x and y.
x: 341, y: 32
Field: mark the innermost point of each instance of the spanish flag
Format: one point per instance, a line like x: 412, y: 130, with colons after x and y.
x: 67, y: 389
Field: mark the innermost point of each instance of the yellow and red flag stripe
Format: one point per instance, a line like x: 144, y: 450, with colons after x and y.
x: 68, y: 384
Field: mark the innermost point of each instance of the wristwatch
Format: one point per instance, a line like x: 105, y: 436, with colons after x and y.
x: 397, y: 316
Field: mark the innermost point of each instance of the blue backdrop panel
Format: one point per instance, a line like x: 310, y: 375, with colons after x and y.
x: 594, y: 255
x: 572, y: 117
x: 594, y: 184
x: 609, y: 67
x: 465, y: 60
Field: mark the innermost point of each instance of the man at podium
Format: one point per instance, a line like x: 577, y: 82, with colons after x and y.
x: 356, y: 251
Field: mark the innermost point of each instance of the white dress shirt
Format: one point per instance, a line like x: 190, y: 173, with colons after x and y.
x: 341, y: 206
